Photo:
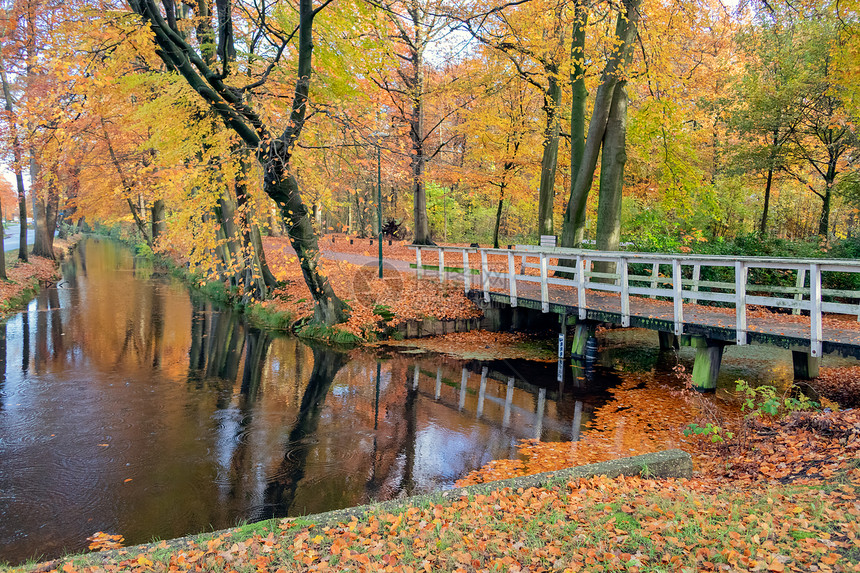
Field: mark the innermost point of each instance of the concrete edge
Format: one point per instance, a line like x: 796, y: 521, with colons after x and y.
x: 664, y: 464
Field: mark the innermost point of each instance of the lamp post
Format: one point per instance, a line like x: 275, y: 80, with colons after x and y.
x: 377, y: 135
x: 379, y: 200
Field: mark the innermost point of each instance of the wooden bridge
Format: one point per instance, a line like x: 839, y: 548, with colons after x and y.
x: 742, y: 303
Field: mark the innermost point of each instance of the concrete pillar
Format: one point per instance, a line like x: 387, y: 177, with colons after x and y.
x: 709, y: 355
x: 509, y: 399
x: 482, y: 389
x: 463, y: 379
x: 668, y: 340
x: 520, y: 318
x: 581, y: 333
x: 805, y: 365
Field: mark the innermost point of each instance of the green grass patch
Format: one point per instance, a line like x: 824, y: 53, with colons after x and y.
x: 269, y: 318
x: 457, y: 270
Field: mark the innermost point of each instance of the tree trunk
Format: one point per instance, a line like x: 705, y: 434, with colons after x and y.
x: 251, y: 232
x: 762, y: 227
x: 613, y: 158
x: 284, y: 190
x: 3, y: 265
x: 45, y: 211
x: 549, y: 160
x: 829, y: 180
x: 273, y: 151
x: 421, y: 234
x: 498, y: 216
x: 579, y: 98
x: 16, y: 155
x: 625, y: 34
x: 159, y: 226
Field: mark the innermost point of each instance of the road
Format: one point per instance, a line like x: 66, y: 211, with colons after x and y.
x: 11, y: 238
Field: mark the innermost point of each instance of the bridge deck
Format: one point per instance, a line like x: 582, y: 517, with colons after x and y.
x: 840, y: 333
x: 808, y: 316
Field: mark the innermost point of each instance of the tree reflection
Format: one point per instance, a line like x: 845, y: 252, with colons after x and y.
x: 281, y: 489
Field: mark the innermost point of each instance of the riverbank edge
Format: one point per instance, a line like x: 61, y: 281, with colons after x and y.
x: 261, y: 315
x: 664, y: 464
x: 31, y: 286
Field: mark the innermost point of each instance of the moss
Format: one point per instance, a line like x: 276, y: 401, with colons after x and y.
x: 316, y: 331
x: 269, y: 318
x: 20, y: 300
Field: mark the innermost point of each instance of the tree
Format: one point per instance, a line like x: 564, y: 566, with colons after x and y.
x: 611, y: 96
x: 536, y: 53
x: 273, y: 151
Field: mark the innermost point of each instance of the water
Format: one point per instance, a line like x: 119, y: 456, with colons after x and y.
x: 129, y: 406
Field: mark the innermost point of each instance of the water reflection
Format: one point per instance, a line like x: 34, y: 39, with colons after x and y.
x: 128, y: 405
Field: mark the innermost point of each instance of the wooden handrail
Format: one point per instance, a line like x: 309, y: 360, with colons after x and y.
x: 580, y: 275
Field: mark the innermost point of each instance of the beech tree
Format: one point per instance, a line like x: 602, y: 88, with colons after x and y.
x: 606, y: 129
x: 273, y: 147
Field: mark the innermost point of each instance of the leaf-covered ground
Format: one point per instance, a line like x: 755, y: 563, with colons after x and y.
x: 22, y: 278
x: 783, y: 499
x: 399, y: 293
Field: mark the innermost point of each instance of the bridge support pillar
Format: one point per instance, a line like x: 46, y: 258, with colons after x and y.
x: 520, y: 318
x: 499, y: 318
x: 668, y: 340
x: 706, y: 368
x: 581, y: 333
x: 805, y: 365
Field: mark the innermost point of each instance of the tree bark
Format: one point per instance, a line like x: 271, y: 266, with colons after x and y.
x: 43, y: 245
x: 829, y: 180
x: 625, y: 34
x: 499, y: 216
x: 549, y: 159
x: 579, y: 98
x: 16, y: 155
x: 159, y: 225
x: 613, y: 159
x: 421, y: 234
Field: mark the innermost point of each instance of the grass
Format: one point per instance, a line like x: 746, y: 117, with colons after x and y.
x: 268, y: 318
x: 597, y: 524
x: 21, y: 299
x: 315, y: 331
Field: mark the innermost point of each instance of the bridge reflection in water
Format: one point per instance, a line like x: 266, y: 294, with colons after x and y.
x: 128, y: 405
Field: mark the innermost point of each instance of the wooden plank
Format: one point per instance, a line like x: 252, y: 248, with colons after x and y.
x: 625, y: 292
x: 580, y: 286
x: 678, y: 300
x: 697, y: 270
x: 815, y: 333
x: 512, y: 279
x: 548, y: 240
x: 544, y: 292
x: 800, y: 283
x: 655, y: 272
x: 485, y: 275
x: 467, y: 273
x: 441, y: 265
x: 741, y: 302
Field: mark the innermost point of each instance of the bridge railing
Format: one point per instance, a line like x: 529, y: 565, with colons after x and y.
x: 504, y: 270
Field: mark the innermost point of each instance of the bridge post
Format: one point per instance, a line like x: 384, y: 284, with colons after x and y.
x: 582, y: 332
x: 805, y: 365
x: 706, y: 368
x: 668, y: 340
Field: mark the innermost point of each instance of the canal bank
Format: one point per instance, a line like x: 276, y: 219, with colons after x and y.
x: 26, y: 278
x: 567, y: 521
